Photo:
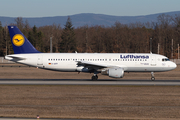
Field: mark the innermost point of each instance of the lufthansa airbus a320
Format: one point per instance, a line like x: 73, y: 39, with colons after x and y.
x: 111, y: 64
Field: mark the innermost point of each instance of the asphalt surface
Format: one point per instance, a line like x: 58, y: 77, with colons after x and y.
x: 87, y: 82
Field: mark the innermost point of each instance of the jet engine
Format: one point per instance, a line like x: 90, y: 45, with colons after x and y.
x: 113, y: 72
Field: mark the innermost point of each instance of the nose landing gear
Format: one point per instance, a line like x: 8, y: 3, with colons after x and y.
x: 152, y: 76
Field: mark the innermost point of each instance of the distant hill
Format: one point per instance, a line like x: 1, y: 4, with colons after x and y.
x: 87, y: 19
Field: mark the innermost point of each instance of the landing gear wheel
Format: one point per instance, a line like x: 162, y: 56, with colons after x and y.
x: 94, y: 78
x: 153, y: 78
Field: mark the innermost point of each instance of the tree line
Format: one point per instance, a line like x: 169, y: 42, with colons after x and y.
x: 118, y: 38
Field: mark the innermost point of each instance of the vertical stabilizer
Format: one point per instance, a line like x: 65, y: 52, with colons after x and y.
x: 19, y: 42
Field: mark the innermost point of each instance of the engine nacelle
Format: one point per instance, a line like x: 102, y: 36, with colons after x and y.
x: 114, y: 72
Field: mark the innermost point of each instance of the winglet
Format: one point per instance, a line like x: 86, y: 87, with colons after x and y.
x: 19, y: 42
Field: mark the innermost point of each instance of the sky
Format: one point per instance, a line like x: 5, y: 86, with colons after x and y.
x: 49, y: 8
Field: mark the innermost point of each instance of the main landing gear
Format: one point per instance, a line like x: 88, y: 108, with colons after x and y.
x: 152, y: 76
x: 94, y: 77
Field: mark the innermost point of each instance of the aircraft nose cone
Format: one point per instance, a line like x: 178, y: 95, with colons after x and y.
x: 173, y: 65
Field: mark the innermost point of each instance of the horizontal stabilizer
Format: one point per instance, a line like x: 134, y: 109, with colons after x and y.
x: 14, y: 58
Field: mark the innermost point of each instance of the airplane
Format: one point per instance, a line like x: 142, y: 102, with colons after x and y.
x: 112, y: 64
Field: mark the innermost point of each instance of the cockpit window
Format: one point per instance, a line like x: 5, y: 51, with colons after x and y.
x: 165, y: 59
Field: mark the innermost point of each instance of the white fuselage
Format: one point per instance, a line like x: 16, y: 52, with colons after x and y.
x: 67, y: 62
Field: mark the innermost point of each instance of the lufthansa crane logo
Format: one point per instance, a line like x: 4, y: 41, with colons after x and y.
x: 18, y: 40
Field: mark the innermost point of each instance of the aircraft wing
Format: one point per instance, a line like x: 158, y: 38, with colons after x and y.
x: 93, y: 65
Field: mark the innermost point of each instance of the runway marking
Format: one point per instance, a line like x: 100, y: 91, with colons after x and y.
x: 88, y: 82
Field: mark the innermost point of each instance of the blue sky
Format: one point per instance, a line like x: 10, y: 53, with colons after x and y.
x: 46, y: 8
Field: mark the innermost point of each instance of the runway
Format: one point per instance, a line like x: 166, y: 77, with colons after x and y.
x: 87, y: 82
